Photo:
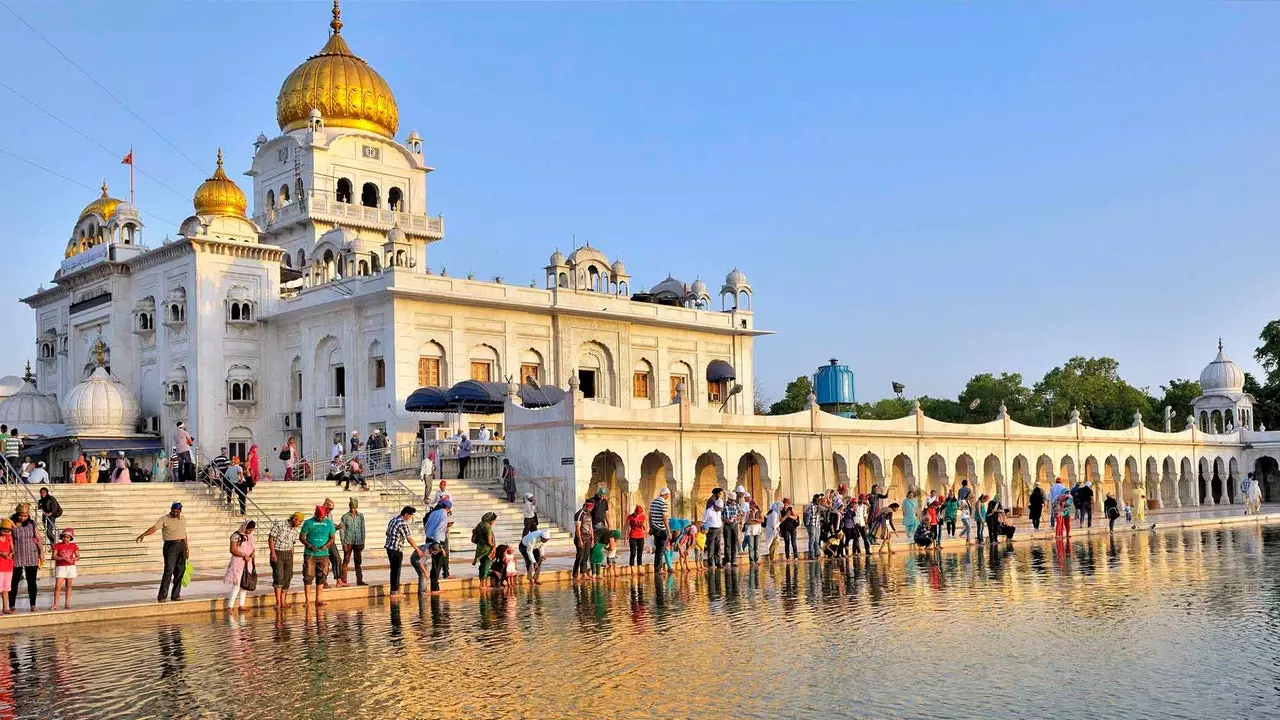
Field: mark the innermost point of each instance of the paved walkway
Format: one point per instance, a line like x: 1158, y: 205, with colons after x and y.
x: 125, y: 595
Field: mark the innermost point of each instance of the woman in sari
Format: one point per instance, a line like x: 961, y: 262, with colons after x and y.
x: 771, y: 520
x: 80, y: 470
x: 252, y: 467
x: 910, y: 514
x: 486, y: 547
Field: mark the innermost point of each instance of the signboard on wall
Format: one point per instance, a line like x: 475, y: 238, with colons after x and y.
x: 566, y: 461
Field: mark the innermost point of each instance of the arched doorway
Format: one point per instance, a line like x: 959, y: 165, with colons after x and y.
x: 1219, y: 482
x: 1067, y: 469
x: 902, y: 479
x: 992, y: 480
x: 753, y: 474
x: 607, y: 472
x: 1153, y: 483
x: 1169, y: 483
x: 1091, y: 473
x: 870, y: 472
x: 1204, y: 482
x: 840, y: 468
x: 937, y: 479
x: 1266, y: 471
x: 656, y: 472
x: 1233, y: 480
x: 1044, y: 472
x: 965, y: 470
x: 1020, y: 489
x: 1133, y: 481
x: 1111, y: 479
x: 708, y: 474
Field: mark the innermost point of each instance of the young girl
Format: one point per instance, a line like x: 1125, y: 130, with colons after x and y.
x: 65, y: 556
x: 685, y: 544
x: 611, y: 553
x: 509, y: 564
x: 699, y: 546
x: 6, y: 563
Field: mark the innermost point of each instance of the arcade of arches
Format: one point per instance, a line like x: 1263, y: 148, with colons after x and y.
x: 1166, y: 481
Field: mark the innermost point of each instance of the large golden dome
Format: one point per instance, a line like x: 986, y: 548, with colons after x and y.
x: 104, y: 206
x: 219, y: 195
x: 341, y: 85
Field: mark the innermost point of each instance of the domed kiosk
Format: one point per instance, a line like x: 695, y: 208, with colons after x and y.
x: 1223, y: 405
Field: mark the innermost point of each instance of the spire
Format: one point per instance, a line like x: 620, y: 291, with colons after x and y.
x: 104, y: 187
x: 336, y: 24
x: 27, y: 376
x: 1219, y: 344
x: 219, y: 157
x: 100, y: 352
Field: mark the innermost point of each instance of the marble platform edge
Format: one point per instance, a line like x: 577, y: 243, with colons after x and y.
x: 455, y: 586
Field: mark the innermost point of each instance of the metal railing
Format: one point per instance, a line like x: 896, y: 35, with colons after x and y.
x: 217, y: 488
x: 16, y: 491
x: 555, y: 499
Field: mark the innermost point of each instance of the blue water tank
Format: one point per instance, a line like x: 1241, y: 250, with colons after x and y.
x: 833, y: 386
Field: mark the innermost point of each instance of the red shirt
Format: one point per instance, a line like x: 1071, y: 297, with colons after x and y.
x: 933, y: 514
x: 64, y: 554
x: 636, y: 525
x: 6, y: 547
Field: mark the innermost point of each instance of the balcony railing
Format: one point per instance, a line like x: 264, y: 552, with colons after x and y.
x: 322, y: 206
x: 331, y: 405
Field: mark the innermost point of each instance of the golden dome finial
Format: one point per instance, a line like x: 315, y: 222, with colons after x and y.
x: 342, y: 86
x: 104, y: 188
x: 219, y: 195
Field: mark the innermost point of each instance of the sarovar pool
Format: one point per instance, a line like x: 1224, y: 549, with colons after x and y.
x: 1173, y: 624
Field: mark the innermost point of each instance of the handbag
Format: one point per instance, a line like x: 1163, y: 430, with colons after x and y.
x: 249, y: 578
x: 284, y: 454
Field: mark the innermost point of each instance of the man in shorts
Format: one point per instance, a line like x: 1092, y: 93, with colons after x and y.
x: 317, y: 536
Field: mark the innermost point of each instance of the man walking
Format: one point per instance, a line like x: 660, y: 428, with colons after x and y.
x: 183, y: 441
x: 352, y: 535
x: 660, y: 527
x: 50, y: 511
x: 173, y: 530
x: 732, y: 529
x: 813, y: 526
x: 397, y: 536
x: 317, y: 537
x: 713, y: 527
x: 13, y: 448
x: 1084, y: 504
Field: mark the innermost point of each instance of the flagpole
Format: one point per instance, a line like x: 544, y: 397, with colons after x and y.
x: 130, y: 174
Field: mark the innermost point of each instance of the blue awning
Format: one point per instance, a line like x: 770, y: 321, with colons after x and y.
x: 427, y: 399
x: 478, y: 398
x: 718, y: 370
x: 129, y: 445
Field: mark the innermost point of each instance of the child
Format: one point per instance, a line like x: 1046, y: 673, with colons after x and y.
x: 1128, y: 513
x: 669, y: 556
x: 699, y: 546
x: 509, y: 564
x: 685, y: 544
x: 597, y: 558
x: 6, y: 563
x: 65, y: 556
x: 611, y: 553
x: 266, y: 475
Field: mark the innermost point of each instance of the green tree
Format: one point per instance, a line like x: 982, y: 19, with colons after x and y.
x: 795, y: 398
x: 886, y: 409
x: 944, y: 409
x: 1268, y: 353
x: 1266, y: 402
x: 1178, y: 395
x: 989, y: 392
x: 1094, y: 387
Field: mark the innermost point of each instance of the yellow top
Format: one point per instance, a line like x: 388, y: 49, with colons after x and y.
x: 341, y: 85
x: 104, y: 206
x: 219, y: 195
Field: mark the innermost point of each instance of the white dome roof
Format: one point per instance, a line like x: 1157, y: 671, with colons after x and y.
x: 586, y: 253
x: 9, y: 384
x: 29, y: 407
x: 699, y: 288
x: 671, y: 286
x: 1221, y: 374
x: 619, y: 268
x: 101, y: 405
x: 557, y: 257
x: 735, y: 278
x: 395, y: 235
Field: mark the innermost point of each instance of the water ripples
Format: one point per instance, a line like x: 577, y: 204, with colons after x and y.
x: 1172, y: 624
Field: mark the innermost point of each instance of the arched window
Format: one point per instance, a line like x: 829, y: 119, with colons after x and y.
x: 284, y: 194
x: 377, y: 366
x: 235, y: 392
x: 302, y: 258
x: 563, y: 280
x: 344, y: 190
x: 288, y: 260
x: 374, y: 264
x: 271, y: 199
x: 363, y: 268
x: 369, y: 195
x: 235, y: 311
x: 395, y: 198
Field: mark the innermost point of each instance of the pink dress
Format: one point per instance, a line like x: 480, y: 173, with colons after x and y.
x: 236, y: 566
x: 122, y: 472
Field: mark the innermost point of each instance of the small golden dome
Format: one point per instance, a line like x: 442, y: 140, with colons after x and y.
x: 341, y: 85
x: 104, y: 206
x: 219, y: 195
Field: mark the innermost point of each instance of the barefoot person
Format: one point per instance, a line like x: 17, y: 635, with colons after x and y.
x: 173, y: 529
x: 65, y: 556
x: 280, y: 542
x: 317, y: 535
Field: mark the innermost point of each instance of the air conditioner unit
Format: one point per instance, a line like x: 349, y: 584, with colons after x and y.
x: 151, y: 424
x: 288, y: 421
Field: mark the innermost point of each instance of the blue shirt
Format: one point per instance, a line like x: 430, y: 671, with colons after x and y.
x: 436, y: 525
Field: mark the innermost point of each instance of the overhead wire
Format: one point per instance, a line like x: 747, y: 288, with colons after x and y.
x: 104, y: 89
x: 86, y: 136
x: 75, y: 182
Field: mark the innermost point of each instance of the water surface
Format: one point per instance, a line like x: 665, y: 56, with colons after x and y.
x: 1180, y: 624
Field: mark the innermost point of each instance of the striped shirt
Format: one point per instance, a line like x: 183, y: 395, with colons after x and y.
x: 397, y: 533
x: 12, y: 446
x: 658, y: 510
x: 25, y: 545
x: 731, y: 511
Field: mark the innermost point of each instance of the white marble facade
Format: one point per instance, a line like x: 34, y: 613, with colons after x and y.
x: 318, y: 311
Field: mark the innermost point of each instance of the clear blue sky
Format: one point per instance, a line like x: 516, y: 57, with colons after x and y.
x: 923, y: 190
